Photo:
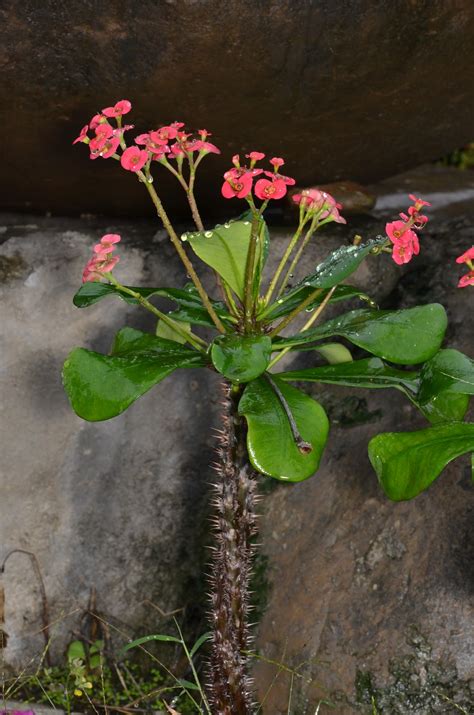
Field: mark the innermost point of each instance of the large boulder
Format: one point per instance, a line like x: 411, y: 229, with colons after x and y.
x: 343, y: 90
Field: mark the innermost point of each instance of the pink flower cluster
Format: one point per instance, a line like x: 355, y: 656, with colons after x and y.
x: 401, y: 233
x: 154, y: 145
x: 239, y: 180
x: 467, y: 258
x: 320, y: 203
x: 102, y: 260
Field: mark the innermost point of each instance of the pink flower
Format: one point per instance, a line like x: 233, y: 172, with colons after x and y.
x: 83, y: 135
x: 102, y: 262
x: 277, y: 162
x: 255, y: 156
x: 467, y: 256
x: 133, y: 158
x: 466, y: 280
x: 103, y: 146
x: 96, y: 120
x: 266, y: 189
x: 238, y: 182
x: 236, y: 160
x: 209, y: 148
x: 122, y: 107
x: 402, y: 253
x: 274, y: 175
x: 396, y: 229
x: 158, y: 150
x: 164, y: 134
x: 419, y: 203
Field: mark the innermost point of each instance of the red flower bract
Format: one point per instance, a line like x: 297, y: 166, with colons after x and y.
x: 238, y: 182
x: 266, y: 189
x: 133, y: 158
x: 119, y: 108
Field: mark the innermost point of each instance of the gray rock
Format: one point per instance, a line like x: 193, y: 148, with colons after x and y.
x: 118, y: 506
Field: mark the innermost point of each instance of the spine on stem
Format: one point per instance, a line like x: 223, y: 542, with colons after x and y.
x: 235, y: 501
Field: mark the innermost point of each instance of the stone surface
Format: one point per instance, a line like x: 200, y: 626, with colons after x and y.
x: 369, y: 597
x: 343, y: 90
x: 118, y: 506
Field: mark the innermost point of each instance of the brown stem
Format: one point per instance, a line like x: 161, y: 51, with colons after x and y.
x: 182, y: 253
x: 235, y: 524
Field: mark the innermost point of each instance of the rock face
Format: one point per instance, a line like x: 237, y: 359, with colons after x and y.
x: 343, y: 90
x: 373, y: 599
x: 116, y: 506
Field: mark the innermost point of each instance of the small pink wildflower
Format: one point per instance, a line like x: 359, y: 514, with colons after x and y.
x: 255, y: 156
x: 209, y: 148
x: 277, y: 162
x: 467, y: 256
x: 274, y: 175
x: 395, y: 230
x: 402, y: 253
x: 133, y: 158
x: 83, y: 135
x: 164, y: 134
x: 119, y: 108
x: 419, y: 203
x: 96, y: 120
x: 238, y: 182
x: 102, y: 262
x: 104, y: 145
x: 266, y: 189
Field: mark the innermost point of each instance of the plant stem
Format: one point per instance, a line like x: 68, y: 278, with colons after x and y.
x: 193, y: 204
x: 190, y: 337
x: 249, y: 274
x: 297, y: 257
x: 235, y: 524
x: 182, y: 253
x: 282, y: 263
x: 307, y: 325
x: 304, y: 304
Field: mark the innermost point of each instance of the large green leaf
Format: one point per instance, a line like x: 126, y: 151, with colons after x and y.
x: 334, y: 269
x: 408, y: 462
x: 373, y: 373
x: 449, y: 370
x: 370, y: 372
x: 191, y: 310
x: 271, y: 442
x: 289, y: 302
x: 225, y: 249
x: 241, y: 358
x: 406, y: 336
x: 102, y: 386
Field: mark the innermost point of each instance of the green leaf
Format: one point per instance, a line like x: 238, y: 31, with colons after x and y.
x: 225, y: 249
x: 76, y: 651
x: 449, y: 370
x: 163, y: 330
x: 290, y: 301
x: 408, y: 462
x: 148, y: 639
x: 200, y: 641
x: 336, y: 267
x: 271, y: 442
x: 190, y: 307
x: 102, y: 386
x: 187, y: 684
x: 334, y: 353
x: 445, y: 407
x: 369, y: 372
x: 406, y: 336
x: 241, y: 358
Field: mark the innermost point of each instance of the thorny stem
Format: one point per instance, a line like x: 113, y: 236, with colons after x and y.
x: 190, y: 337
x: 182, y: 253
x: 307, y: 325
x: 235, y: 524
